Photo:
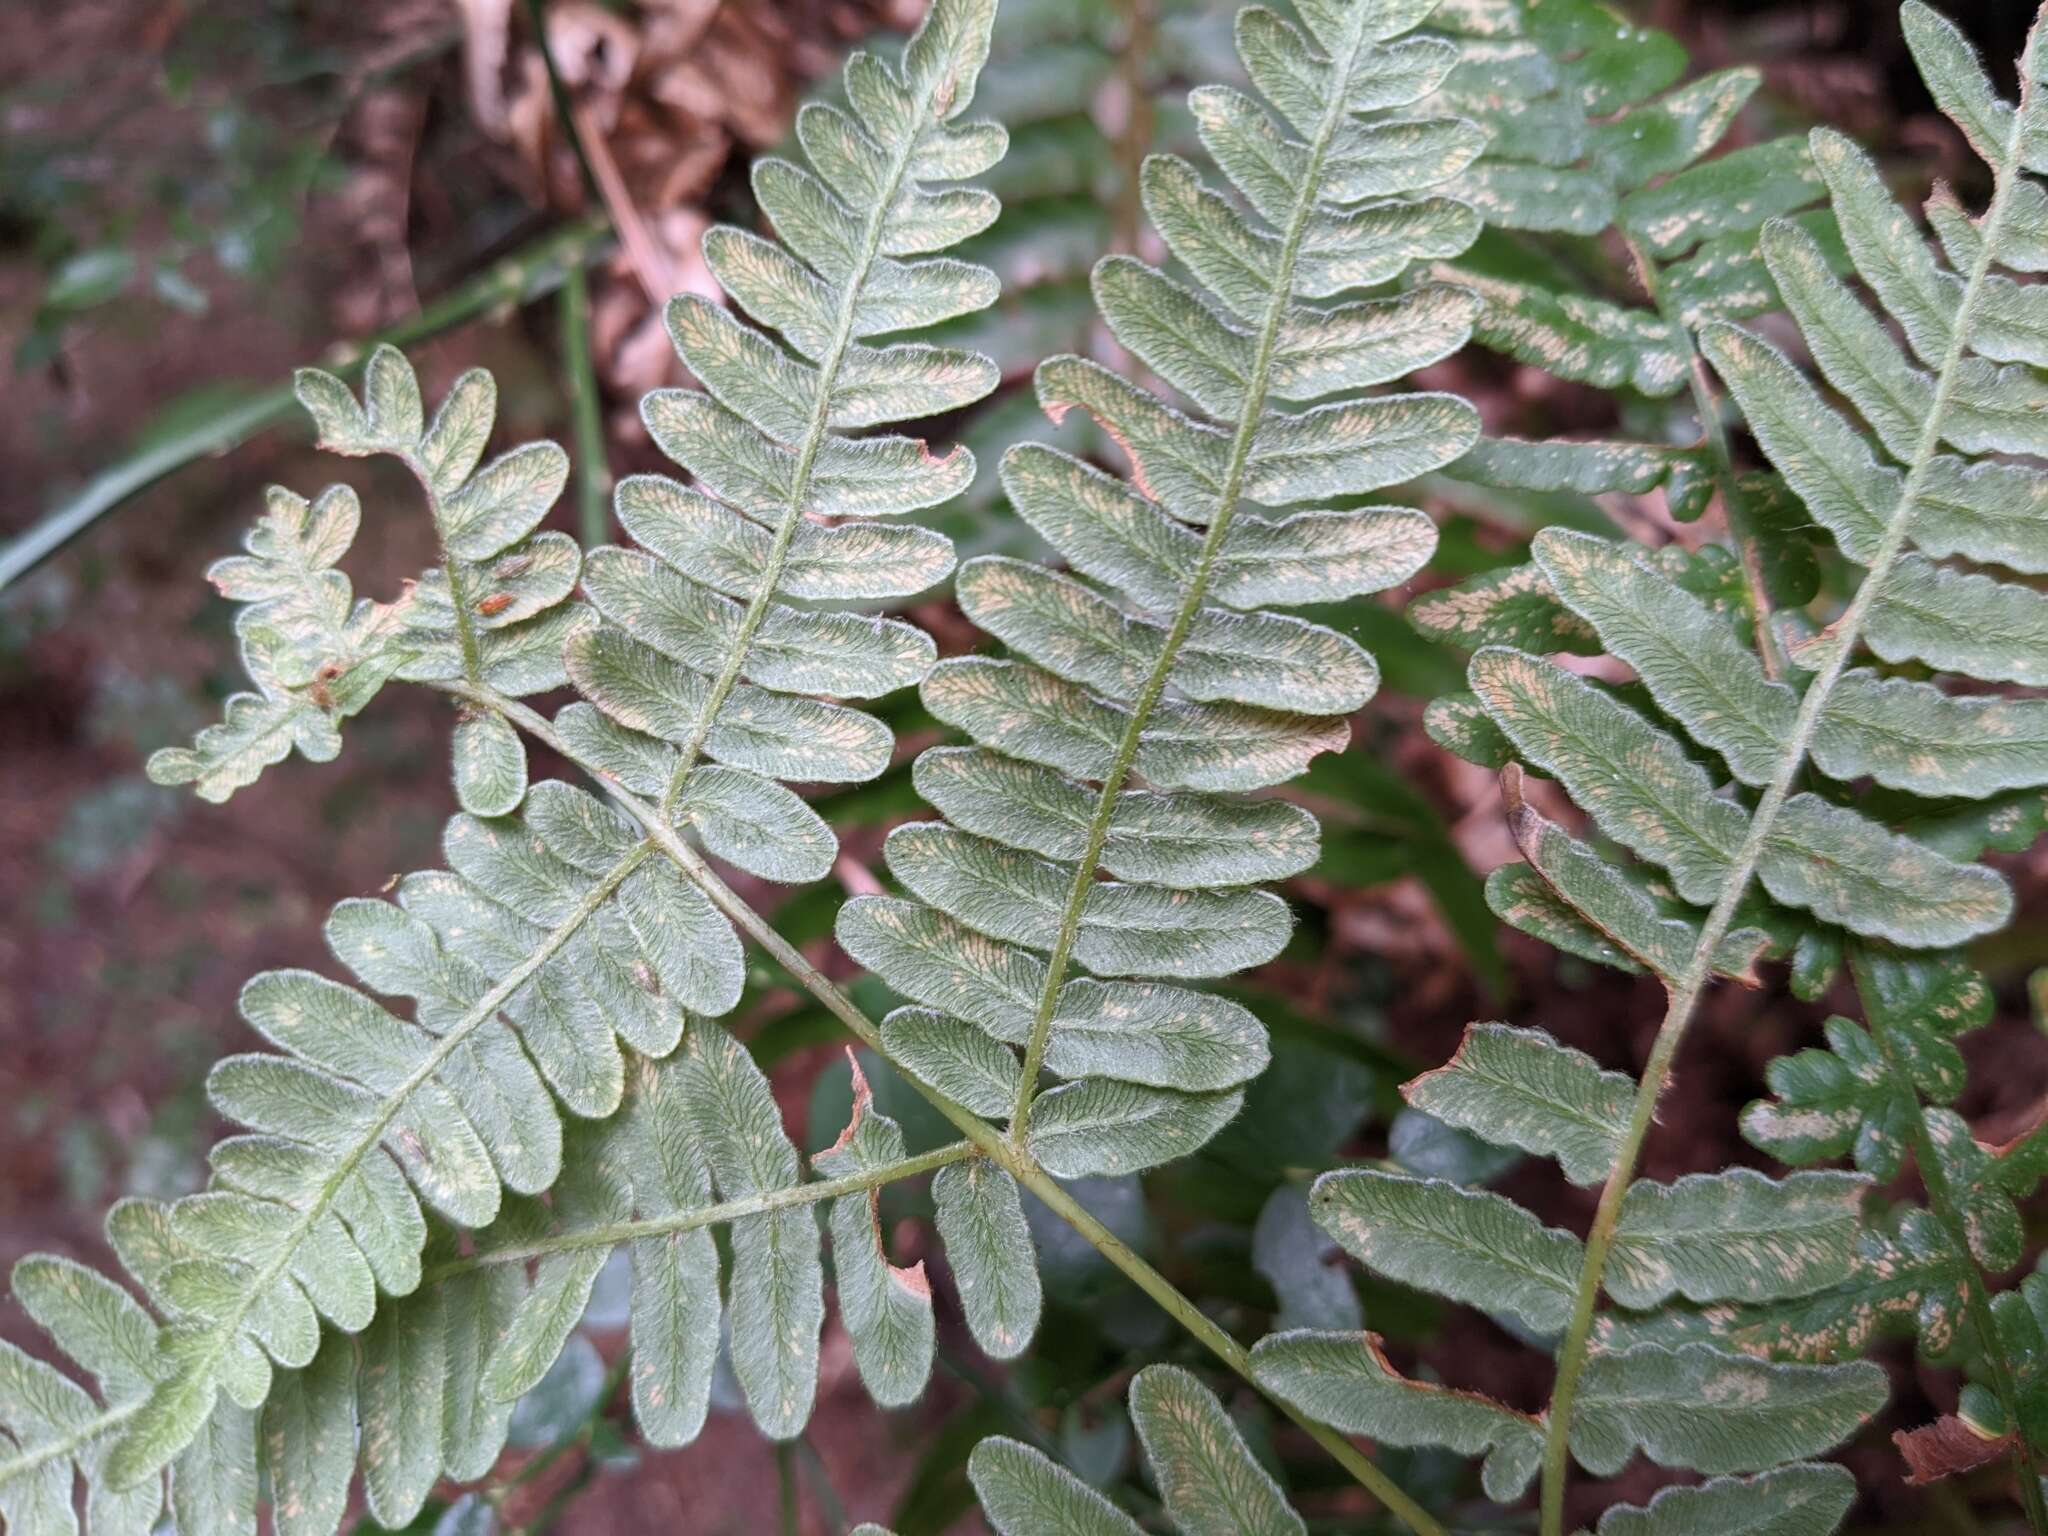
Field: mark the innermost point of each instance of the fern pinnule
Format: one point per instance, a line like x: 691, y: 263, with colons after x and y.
x: 1212, y: 1484
x: 1158, y: 659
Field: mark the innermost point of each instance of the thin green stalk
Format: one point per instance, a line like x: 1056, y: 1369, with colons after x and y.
x: 816, y: 431
x: 1734, y: 505
x: 1685, y: 996
x: 618, y: 1233
x: 586, y: 416
x: 1334, y: 114
x: 517, y: 279
x: 989, y: 1141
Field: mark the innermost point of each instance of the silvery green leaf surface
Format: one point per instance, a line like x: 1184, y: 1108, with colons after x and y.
x: 1024, y: 1492
x: 775, y: 1297
x: 401, y: 1374
x: 962, y: 1062
x: 1587, y: 341
x: 1691, y: 661
x: 367, y: 1116
x: 1649, y: 795
x: 1620, y: 917
x: 1804, y: 1499
x: 1510, y: 606
x: 1470, y: 1245
x: 1735, y: 1236
x: 309, y: 1441
x: 1700, y: 1408
x: 887, y: 1309
x: 1181, y: 840
x: 1100, y: 1126
x: 995, y: 1268
x: 1156, y: 662
x: 675, y: 1309
x: 1125, y: 930
x: 1208, y: 1479
x: 702, y: 639
x: 490, y: 766
x: 594, y: 1191
x: 1519, y: 1088
x: 1344, y: 1380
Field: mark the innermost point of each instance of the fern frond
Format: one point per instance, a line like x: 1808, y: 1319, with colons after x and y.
x: 1158, y: 659
x: 558, y: 936
x: 704, y: 647
x: 1719, y: 767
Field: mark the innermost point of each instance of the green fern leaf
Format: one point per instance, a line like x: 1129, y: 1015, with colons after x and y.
x: 981, y: 1221
x: 309, y: 1441
x: 887, y: 1310
x: 702, y: 648
x: 1024, y: 1492
x: 1099, y: 1126
x: 1343, y: 1380
x: 1178, y: 675
x: 1470, y: 1245
x: 1734, y: 1236
x: 1699, y: 1408
x: 1799, y: 1500
x: 967, y: 1065
x: 1208, y: 1479
x: 675, y: 1309
x: 1519, y: 1088
x: 776, y: 1299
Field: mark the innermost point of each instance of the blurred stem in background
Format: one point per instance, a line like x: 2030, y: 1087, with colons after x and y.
x: 587, y: 451
x: 527, y: 274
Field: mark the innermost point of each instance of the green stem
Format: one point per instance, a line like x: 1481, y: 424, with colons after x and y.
x: 467, y: 641
x: 1734, y: 505
x: 517, y: 279
x: 586, y: 416
x: 615, y: 1234
x: 1685, y: 994
x: 816, y: 431
x: 1947, y: 1210
x: 1249, y: 414
x: 987, y: 1140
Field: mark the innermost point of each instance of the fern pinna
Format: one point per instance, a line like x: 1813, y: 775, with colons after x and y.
x: 1158, y: 658
x: 318, y: 1308
x: 1793, y: 785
